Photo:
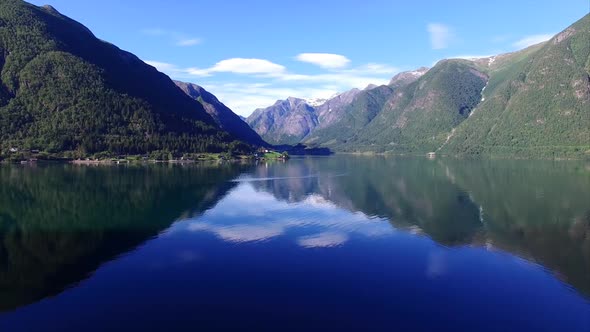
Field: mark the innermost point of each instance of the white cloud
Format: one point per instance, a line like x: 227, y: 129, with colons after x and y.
x: 531, y: 40
x: 440, y: 35
x: 248, y: 66
x: 168, y: 68
x: 179, y: 39
x: 189, y: 42
x: 324, y: 60
x: 240, y: 66
x: 161, y: 66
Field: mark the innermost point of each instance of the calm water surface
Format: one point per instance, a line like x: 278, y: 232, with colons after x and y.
x: 313, y: 244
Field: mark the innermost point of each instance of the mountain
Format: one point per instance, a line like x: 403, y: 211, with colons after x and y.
x: 62, y: 90
x: 344, y: 116
x: 331, y: 110
x: 223, y: 115
x: 417, y: 117
x: 411, y: 114
x: 537, y: 102
x: 530, y: 103
x: 323, y: 120
x: 407, y: 77
x: 286, y: 122
x: 343, y: 121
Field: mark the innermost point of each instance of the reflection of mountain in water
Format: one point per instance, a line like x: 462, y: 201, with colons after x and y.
x: 410, y: 193
x: 59, y: 223
x: 538, y: 210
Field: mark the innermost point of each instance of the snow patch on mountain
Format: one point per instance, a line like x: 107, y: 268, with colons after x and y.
x: 314, y: 102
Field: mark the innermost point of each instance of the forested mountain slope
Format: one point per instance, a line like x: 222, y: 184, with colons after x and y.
x: 63, y: 90
x: 538, y: 104
x: 223, y: 115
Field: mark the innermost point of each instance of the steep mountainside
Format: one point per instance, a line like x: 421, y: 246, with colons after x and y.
x: 285, y: 122
x: 331, y: 110
x: 355, y: 109
x: 62, y: 89
x: 414, y: 114
x: 536, y: 104
x: 419, y: 117
x: 404, y: 78
x: 350, y: 118
x: 223, y: 115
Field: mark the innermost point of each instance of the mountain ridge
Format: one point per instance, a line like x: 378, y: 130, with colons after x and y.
x: 223, y: 115
x: 533, y: 102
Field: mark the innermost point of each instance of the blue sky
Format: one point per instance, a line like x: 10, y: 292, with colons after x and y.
x: 251, y: 53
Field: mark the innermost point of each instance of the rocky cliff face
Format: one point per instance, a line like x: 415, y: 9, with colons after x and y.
x: 331, y: 110
x: 286, y: 122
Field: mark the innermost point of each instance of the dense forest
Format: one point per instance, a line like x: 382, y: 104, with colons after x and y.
x: 66, y: 93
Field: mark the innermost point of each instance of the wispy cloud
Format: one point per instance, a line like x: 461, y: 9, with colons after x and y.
x: 324, y: 60
x: 177, y: 38
x: 154, y: 32
x: 441, y: 35
x: 531, y: 40
x: 188, y: 42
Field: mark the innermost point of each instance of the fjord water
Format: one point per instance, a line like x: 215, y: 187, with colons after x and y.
x: 330, y: 243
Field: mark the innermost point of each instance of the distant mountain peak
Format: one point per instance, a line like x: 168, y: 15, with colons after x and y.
x: 407, y: 77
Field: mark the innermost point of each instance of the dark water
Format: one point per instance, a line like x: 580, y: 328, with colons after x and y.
x: 318, y: 244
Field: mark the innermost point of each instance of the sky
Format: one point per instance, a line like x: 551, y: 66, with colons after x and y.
x: 252, y: 53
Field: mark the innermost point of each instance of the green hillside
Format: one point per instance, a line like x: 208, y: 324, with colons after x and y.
x: 63, y: 91
x: 417, y: 118
x: 537, y: 105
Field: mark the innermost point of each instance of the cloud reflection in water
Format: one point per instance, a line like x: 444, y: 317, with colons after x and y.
x: 247, y: 215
